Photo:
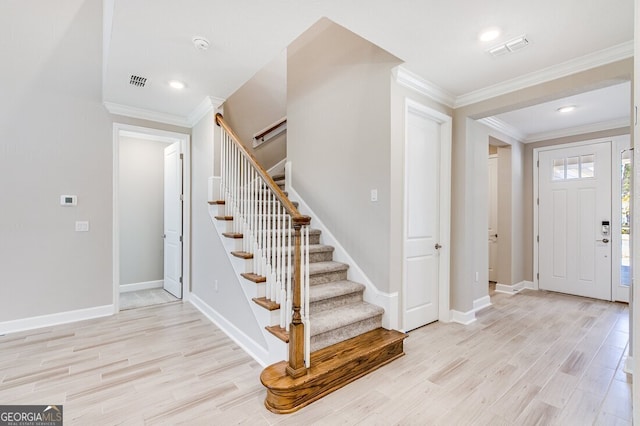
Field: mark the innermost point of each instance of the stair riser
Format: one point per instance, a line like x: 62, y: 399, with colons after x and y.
x: 327, y: 277
x: 335, y: 302
x: 352, y: 330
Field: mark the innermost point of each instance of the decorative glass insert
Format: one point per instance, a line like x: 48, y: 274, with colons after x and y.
x: 587, y: 166
x: 558, y: 169
x: 573, y: 167
x: 582, y: 167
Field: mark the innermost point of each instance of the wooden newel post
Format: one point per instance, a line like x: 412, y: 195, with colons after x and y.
x: 296, y: 367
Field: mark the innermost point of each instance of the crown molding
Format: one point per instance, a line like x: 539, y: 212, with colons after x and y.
x: 208, y: 103
x: 503, y: 127
x: 418, y: 84
x: 579, y: 130
x: 146, y: 114
x: 583, y: 63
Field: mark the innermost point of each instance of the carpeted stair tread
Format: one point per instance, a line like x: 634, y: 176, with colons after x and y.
x: 333, y: 289
x: 325, y: 321
x: 278, y: 176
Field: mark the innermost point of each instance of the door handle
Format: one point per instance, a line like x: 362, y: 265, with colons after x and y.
x: 164, y: 235
x: 438, y: 246
x: 604, y: 240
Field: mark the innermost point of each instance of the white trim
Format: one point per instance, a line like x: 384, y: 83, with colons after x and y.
x: 388, y: 301
x: 418, y: 84
x: 257, y: 352
x: 628, y: 365
x: 146, y: 114
x: 55, y: 319
x: 464, y: 318
x: 279, y: 167
x: 147, y: 285
x: 481, y: 303
x: 510, y: 289
x: 185, y: 148
x: 208, y: 103
x: 583, y: 63
x: 579, y: 130
x: 503, y: 127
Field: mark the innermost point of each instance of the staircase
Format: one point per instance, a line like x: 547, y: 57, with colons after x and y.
x: 346, y: 341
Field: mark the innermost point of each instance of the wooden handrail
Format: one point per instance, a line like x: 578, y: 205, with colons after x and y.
x: 271, y: 128
x: 286, y: 203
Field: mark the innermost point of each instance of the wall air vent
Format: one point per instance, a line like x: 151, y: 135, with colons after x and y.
x: 137, y: 81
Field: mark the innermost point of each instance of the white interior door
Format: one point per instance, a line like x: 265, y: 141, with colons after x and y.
x: 574, y: 190
x: 493, y: 218
x: 173, y: 220
x: 422, y: 222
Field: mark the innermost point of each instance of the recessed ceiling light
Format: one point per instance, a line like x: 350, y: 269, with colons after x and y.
x: 566, y: 108
x: 178, y: 85
x: 489, y: 34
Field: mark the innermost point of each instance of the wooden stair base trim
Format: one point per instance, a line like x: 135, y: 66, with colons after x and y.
x: 242, y: 254
x: 253, y: 277
x: 267, y: 304
x: 331, y: 369
x: 216, y: 202
x: 232, y: 235
x: 224, y: 217
x: 279, y: 332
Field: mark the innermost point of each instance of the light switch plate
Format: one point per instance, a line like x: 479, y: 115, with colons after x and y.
x: 374, y: 195
x: 82, y: 226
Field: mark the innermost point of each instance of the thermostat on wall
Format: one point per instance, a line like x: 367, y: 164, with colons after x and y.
x: 68, y: 200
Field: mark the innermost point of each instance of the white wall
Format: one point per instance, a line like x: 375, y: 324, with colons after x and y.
x: 339, y: 139
x: 141, y: 210
x: 209, y: 260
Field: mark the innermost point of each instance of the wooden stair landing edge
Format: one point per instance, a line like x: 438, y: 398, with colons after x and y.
x: 331, y: 369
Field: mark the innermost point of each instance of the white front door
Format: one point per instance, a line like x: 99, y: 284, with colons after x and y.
x: 574, y: 250
x: 173, y: 220
x: 422, y: 221
x: 493, y: 218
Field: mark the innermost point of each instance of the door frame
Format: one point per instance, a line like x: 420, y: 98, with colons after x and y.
x: 121, y: 129
x: 613, y: 140
x: 445, y: 123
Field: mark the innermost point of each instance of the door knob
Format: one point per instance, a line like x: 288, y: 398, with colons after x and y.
x: 438, y: 246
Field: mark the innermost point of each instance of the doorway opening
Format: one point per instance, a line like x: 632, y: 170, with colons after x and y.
x: 151, y: 215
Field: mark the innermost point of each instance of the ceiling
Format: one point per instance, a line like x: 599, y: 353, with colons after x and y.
x: 437, y: 40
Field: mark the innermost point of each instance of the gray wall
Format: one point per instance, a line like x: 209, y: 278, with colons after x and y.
x: 209, y: 260
x: 55, y: 138
x: 141, y: 210
x: 339, y: 139
x: 260, y: 102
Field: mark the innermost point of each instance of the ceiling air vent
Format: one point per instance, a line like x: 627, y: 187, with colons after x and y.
x: 510, y: 46
x: 137, y: 81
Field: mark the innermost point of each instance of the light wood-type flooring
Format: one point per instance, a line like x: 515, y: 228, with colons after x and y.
x: 532, y: 358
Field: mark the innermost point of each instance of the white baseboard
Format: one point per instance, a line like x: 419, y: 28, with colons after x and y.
x: 257, y: 352
x: 388, y: 301
x: 55, y: 319
x: 464, y: 318
x: 529, y: 284
x: 481, y: 303
x: 628, y: 365
x: 126, y: 288
x: 509, y: 288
